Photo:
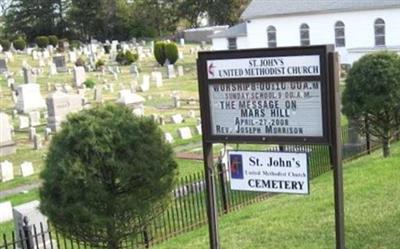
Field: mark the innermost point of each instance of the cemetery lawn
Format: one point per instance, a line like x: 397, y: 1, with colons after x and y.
x: 372, y: 199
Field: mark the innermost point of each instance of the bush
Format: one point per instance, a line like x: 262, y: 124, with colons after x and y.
x: 126, y: 58
x: 5, y: 44
x: 171, y: 52
x: 53, y: 40
x: 42, y: 41
x: 74, y: 44
x: 99, y: 64
x: 108, y: 174
x: 159, y: 52
x: 19, y: 44
x: 89, y: 83
x: 372, y: 96
x: 80, y: 62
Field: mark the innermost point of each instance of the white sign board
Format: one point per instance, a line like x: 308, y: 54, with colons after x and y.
x: 277, y: 172
x: 284, y: 66
x: 267, y: 109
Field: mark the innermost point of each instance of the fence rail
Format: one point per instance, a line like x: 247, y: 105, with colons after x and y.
x: 187, y: 211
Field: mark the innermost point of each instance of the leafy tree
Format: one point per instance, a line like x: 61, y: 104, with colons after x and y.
x: 107, y: 174
x: 190, y: 10
x: 171, y: 52
x: 372, y: 94
x: 19, y: 43
x: 126, y: 58
x: 226, y: 12
x: 53, y: 40
x: 158, y: 15
x: 84, y: 17
x: 30, y: 18
x: 42, y: 41
x: 5, y: 44
x: 159, y: 52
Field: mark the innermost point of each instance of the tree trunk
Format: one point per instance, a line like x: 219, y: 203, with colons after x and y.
x: 112, y: 240
x: 113, y: 244
x: 386, y: 146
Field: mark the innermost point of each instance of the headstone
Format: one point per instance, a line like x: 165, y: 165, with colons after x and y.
x: 132, y: 100
x: 72, y: 56
x: 34, y: 118
x: 5, y: 212
x: 28, y: 75
x: 3, y: 66
x: 26, y: 169
x: 59, y: 105
x: 23, y: 122
x: 180, y: 55
x: 185, y: 133
x: 52, y: 69
x: 177, y: 101
x: 30, y: 212
x: 168, y: 137
x: 98, y: 94
x: 145, y: 86
x: 182, y: 41
x: 37, y: 142
x: 171, y: 71
x: 79, y: 76
x: 29, y: 98
x: 61, y: 66
x: 6, y: 171
x: 47, y: 133
x: 10, y: 81
x: 7, y: 145
x: 41, y: 62
x: 177, y: 119
x: 198, y: 129
x: 32, y: 133
x: 134, y: 70
x: 180, y: 71
x: 157, y: 77
x: 9, y: 56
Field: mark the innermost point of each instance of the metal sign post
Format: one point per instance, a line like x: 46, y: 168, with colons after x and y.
x: 336, y: 151
x: 270, y: 96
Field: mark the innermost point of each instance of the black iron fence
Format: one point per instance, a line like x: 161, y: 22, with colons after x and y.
x: 187, y: 211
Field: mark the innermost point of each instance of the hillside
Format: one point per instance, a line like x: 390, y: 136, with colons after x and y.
x: 372, y: 198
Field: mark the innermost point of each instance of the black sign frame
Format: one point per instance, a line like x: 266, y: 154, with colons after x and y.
x: 204, y: 82
x: 330, y: 97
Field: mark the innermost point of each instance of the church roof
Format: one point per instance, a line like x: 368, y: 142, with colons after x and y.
x: 270, y: 8
x: 234, y: 31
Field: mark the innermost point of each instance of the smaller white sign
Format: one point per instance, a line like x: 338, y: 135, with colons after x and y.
x: 261, y: 67
x: 277, y: 172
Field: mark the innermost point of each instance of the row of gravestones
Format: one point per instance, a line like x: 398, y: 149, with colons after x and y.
x: 183, y: 132
x: 7, y: 170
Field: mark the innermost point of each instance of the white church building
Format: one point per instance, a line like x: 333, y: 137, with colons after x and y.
x: 356, y: 27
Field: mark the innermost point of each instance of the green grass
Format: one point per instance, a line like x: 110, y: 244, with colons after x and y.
x: 189, y: 167
x: 186, y: 86
x: 306, y: 222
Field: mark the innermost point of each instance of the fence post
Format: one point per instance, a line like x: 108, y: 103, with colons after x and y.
x: 27, y: 234
x: 222, y: 182
x: 367, y: 135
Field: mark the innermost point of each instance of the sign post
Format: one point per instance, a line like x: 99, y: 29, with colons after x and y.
x: 271, y: 96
